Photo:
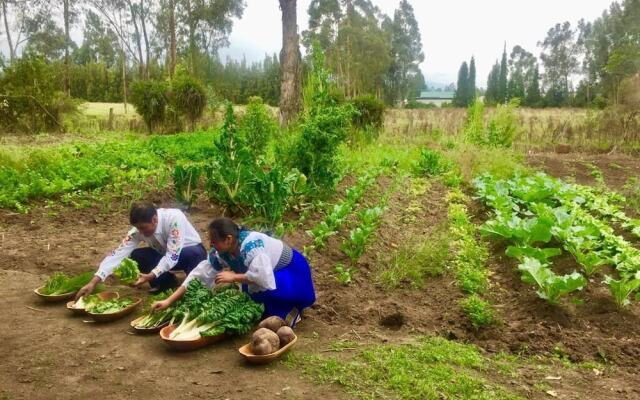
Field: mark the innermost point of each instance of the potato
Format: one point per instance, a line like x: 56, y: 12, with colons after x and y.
x: 261, y: 347
x: 286, y: 335
x: 272, y: 323
x: 264, y: 341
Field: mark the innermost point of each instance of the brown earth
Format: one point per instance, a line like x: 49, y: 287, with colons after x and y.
x: 50, y: 354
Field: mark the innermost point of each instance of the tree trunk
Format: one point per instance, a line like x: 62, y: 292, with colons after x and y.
x: 67, y: 90
x: 146, y: 39
x: 137, y: 38
x: 290, y: 63
x: 173, y: 47
x: 124, y: 79
x: 6, y: 27
x: 192, y: 38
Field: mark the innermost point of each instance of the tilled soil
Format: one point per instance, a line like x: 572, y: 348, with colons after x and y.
x: 50, y: 354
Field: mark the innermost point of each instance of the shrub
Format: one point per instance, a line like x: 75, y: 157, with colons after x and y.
x: 188, y: 97
x: 500, y: 131
x: 238, y: 181
x: 417, y: 105
x: 322, y: 128
x: 503, y: 127
x: 430, y: 163
x: 257, y: 126
x: 474, y: 127
x: 369, y: 112
x: 229, y: 174
x: 31, y: 98
x: 150, y: 100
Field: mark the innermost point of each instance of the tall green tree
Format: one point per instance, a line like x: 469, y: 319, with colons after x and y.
x: 560, y: 62
x: 522, y: 65
x: 472, y: 80
x: 533, y: 96
x: 418, y: 85
x: 461, y: 97
x: 492, y: 94
x: 356, y: 46
x: 406, y: 52
x: 502, y: 78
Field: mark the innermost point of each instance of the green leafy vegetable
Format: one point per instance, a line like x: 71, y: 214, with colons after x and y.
x: 60, y: 283
x: 109, y: 306
x: 157, y: 318
x: 86, y: 302
x: 206, y: 313
x: 623, y: 288
x: 550, y: 286
x: 127, y: 271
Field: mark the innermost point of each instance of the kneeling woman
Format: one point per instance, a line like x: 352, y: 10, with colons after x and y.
x: 268, y: 269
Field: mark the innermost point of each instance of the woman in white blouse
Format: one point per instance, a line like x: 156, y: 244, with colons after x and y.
x: 268, y: 269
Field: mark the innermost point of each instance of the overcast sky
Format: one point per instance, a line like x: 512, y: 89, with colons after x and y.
x: 452, y: 30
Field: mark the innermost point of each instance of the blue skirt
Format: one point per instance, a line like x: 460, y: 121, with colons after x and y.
x: 294, y: 289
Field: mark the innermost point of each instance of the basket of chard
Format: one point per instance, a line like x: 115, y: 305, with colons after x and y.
x: 111, y: 310
x: 80, y: 306
x: 60, y: 287
x: 150, y: 321
x: 203, y: 317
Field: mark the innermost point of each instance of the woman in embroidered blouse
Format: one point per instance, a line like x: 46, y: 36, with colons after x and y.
x: 268, y: 269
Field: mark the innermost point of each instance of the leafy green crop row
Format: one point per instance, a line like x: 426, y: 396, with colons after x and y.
x: 469, y: 261
x: 535, y: 210
x: 339, y: 212
x: 359, y: 236
x: 80, y: 167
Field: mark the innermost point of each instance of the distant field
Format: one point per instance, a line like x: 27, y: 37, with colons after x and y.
x: 102, y: 109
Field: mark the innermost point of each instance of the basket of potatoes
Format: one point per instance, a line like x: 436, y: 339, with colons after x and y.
x: 270, y: 341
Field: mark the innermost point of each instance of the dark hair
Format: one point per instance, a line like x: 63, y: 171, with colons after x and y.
x: 222, y: 227
x: 142, y: 212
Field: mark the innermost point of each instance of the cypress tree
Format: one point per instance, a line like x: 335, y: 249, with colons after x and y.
x: 534, y: 97
x: 461, y: 97
x: 502, y: 80
x: 472, y: 81
x: 491, y: 95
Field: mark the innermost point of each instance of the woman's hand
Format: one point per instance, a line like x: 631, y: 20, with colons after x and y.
x: 160, y: 305
x: 226, y: 277
x: 143, y: 278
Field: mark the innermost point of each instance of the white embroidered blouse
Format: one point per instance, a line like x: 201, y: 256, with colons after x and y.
x: 259, y: 256
x: 173, y: 233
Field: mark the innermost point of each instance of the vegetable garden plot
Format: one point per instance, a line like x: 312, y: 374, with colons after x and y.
x: 541, y: 216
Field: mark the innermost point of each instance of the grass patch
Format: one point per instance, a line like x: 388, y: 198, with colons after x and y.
x: 480, y: 312
x: 102, y: 109
x: 472, y: 161
x: 413, y: 264
x: 382, y: 152
x: 470, y: 254
x: 433, y: 368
